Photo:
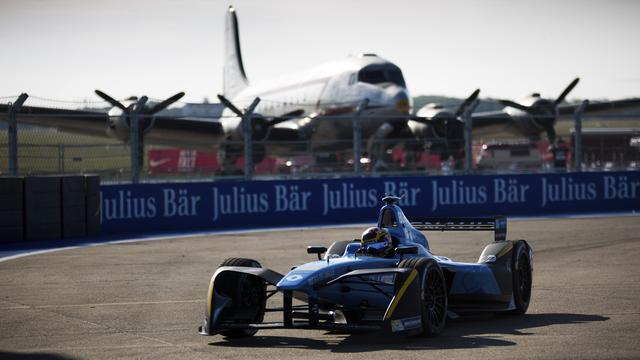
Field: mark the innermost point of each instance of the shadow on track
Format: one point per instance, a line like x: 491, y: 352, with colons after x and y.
x: 465, y: 333
x: 33, y: 356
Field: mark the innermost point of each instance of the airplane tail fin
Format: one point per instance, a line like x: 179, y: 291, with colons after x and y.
x: 235, y: 78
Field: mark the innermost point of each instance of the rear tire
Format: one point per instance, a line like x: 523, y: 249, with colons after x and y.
x: 433, y: 298
x: 522, y: 277
x: 248, y: 296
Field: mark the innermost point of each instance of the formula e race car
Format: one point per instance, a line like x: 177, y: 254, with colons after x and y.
x: 409, y: 292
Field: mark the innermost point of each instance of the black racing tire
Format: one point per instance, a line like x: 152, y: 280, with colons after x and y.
x: 522, y: 273
x: 433, y: 297
x: 240, y: 262
x: 248, y: 295
x: 337, y: 248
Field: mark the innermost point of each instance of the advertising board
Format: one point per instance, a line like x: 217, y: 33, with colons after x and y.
x: 253, y: 204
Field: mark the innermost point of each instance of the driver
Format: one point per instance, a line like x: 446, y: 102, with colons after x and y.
x: 377, y: 242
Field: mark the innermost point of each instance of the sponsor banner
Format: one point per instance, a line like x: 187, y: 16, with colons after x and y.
x: 245, y: 204
x: 166, y: 161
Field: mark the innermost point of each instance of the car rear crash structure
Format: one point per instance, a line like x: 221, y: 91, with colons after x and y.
x: 412, y: 292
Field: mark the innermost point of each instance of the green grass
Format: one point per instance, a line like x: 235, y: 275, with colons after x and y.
x: 51, y: 151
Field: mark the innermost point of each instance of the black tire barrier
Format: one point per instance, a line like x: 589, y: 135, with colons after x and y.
x: 74, y: 213
x: 92, y: 186
x: 42, y: 208
x: 11, y: 208
x: 49, y: 207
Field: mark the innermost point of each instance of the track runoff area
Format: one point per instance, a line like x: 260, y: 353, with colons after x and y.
x: 146, y: 299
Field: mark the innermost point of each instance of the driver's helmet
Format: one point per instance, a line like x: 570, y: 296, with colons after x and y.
x: 375, y: 238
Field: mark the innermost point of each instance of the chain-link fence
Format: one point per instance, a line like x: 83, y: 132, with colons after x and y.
x: 607, y: 142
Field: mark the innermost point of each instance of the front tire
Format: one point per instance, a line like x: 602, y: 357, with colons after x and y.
x: 433, y: 295
x: 248, y: 297
x: 522, y: 277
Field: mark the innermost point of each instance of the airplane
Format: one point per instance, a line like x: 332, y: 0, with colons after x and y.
x: 311, y: 110
x: 301, y: 107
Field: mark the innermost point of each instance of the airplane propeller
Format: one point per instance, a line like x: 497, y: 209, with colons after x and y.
x: 466, y: 103
x: 566, y: 91
x: 260, y: 123
x: 147, y: 110
x: 145, y: 123
x: 230, y: 105
x: 274, y: 121
x: 544, y: 111
x: 514, y: 105
x: 163, y: 104
x: 451, y: 117
x: 110, y: 100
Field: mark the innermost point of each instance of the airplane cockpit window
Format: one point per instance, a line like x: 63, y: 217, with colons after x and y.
x: 395, y: 76
x: 376, y: 74
x: 389, y: 219
x: 352, y: 79
x: 372, y: 76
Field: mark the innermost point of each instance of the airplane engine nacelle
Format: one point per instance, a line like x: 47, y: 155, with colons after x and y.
x: 259, y: 130
x: 119, y: 126
x: 444, y: 127
x: 451, y: 130
x: 233, y: 148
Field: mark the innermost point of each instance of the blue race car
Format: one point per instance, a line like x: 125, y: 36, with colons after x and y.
x: 406, y: 290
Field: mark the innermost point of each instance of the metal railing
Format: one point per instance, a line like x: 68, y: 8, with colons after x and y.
x: 28, y: 150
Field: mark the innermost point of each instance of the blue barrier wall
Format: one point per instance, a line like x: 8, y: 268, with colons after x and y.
x: 240, y: 204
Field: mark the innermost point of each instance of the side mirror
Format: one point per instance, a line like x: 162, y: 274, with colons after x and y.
x: 402, y: 250
x: 319, y: 250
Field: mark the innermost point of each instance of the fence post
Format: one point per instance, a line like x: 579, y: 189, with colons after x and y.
x: 61, y: 158
x: 357, y: 136
x: 247, y: 132
x: 468, y: 138
x: 135, y: 139
x: 577, y: 149
x: 12, y: 110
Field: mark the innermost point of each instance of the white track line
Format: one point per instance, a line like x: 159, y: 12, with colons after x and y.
x: 235, y: 232
x: 129, y: 303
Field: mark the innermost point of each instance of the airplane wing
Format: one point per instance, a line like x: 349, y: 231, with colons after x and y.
x: 490, y: 118
x: 75, y: 121
x: 291, y: 129
x: 604, y: 107
x: 185, y: 130
x: 489, y: 122
x: 166, y: 130
x: 493, y: 120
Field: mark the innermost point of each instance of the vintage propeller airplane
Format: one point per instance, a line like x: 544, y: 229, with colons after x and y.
x: 314, y: 109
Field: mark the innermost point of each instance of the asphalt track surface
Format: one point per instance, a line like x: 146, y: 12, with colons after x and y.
x: 146, y: 299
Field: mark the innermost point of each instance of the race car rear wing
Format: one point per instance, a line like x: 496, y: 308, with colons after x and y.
x: 496, y: 224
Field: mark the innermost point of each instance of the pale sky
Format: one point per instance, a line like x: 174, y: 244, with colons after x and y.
x: 64, y: 49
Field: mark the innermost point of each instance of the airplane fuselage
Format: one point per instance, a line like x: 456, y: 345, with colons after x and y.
x: 325, y: 98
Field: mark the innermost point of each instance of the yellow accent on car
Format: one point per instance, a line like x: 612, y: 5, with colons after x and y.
x: 505, y: 250
x: 403, y: 289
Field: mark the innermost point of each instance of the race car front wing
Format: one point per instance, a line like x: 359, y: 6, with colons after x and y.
x: 402, y: 315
